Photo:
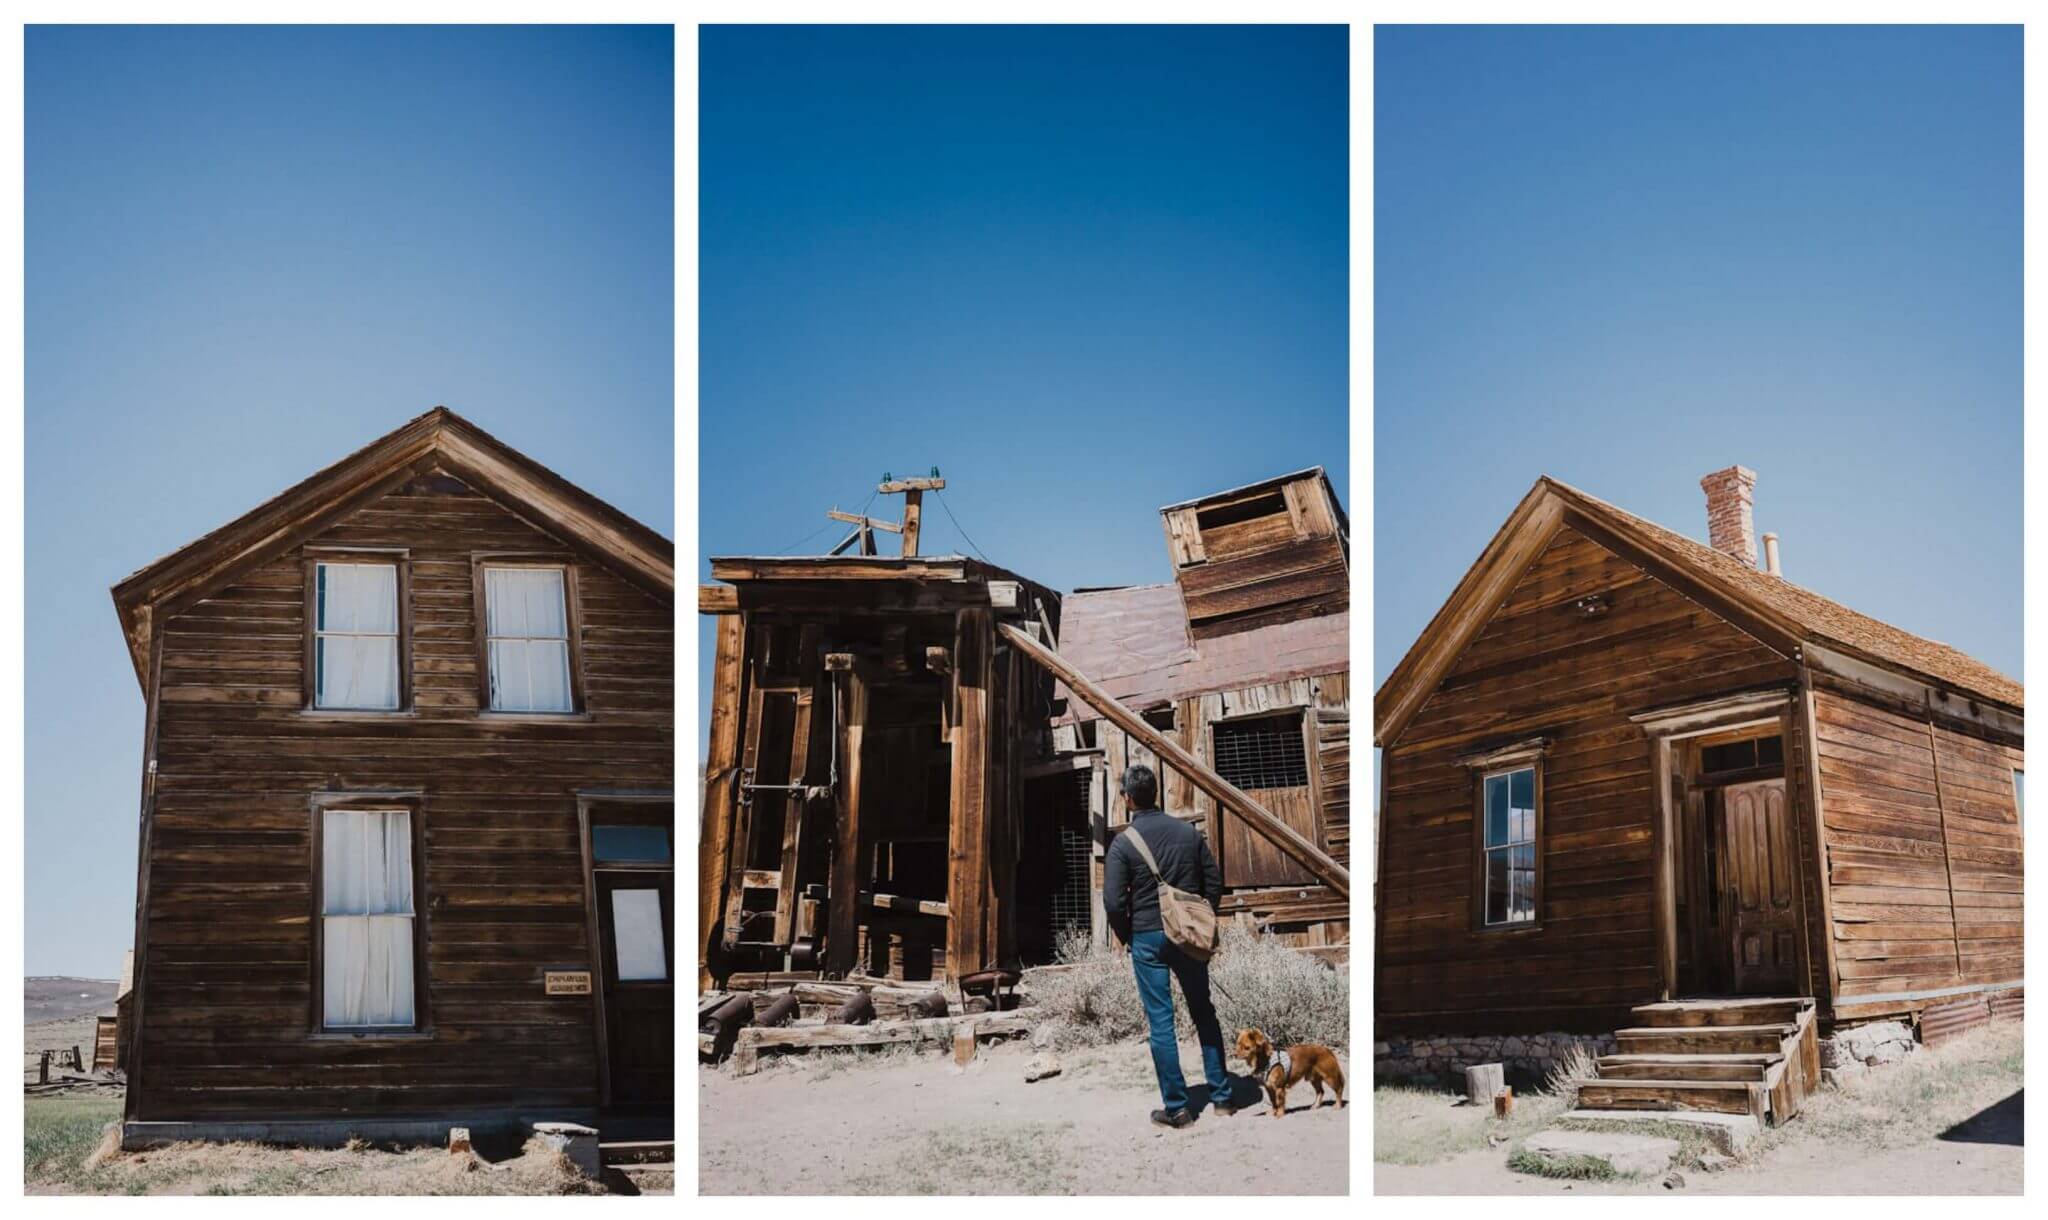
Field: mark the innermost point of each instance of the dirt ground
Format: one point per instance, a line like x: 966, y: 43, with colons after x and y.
x: 1944, y: 1122
x: 910, y: 1123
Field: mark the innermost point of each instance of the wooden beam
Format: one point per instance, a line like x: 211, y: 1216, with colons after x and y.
x: 718, y: 599
x: 887, y: 527
x: 904, y: 485
x: 1170, y: 752
x: 967, y: 826
x: 913, y: 519
x: 916, y: 906
x: 981, y: 1025
x: 840, y: 934
x: 720, y: 778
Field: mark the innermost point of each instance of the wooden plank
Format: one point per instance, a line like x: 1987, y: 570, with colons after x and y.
x: 967, y: 826
x: 720, y: 780
x: 717, y: 599
x: 1289, y: 841
x: 853, y: 696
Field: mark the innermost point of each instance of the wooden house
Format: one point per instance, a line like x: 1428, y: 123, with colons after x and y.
x: 407, y: 806
x: 901, y: 783
x: 1244, y: 661
x: 1631, y: 781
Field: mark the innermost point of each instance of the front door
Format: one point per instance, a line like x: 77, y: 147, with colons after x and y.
x: 1759, y: 893
x: 635, y: 910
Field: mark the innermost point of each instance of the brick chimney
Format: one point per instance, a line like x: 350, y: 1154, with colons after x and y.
x: 1729, y: 525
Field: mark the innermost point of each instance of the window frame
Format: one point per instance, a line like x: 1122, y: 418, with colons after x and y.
x: 2019, y: 795
x: 572, y: 625
x: 401, y: 559
x: 1526, y: 756
x: 410, y: 802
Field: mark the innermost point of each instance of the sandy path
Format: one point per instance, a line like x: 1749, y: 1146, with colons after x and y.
x: 914, y: 1125
x: 1801, y: 1167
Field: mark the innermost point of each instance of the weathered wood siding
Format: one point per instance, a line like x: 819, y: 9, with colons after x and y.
x: 229, y: 920
x: 1304, y: 912
x: 1541, y: 666
x: 1923, y: 850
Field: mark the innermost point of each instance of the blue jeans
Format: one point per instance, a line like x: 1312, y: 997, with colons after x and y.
x: 1152, y: 959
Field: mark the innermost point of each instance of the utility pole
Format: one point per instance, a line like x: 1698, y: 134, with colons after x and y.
x: 865, y: 528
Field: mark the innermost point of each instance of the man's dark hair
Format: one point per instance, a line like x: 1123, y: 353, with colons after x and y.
x: 1142, y: 786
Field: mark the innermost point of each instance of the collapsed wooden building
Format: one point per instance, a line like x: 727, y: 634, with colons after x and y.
x: 407, y: 807
x: 1631, y: 782
x: 911, y: 757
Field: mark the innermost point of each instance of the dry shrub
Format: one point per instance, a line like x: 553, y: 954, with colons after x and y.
x: 1578, y: 1066
x: 1254, y: 980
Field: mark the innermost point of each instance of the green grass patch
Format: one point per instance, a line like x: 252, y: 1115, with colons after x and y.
x: 1576, y: 1167
x: 1420, y: 1126
x: 59, y: 1133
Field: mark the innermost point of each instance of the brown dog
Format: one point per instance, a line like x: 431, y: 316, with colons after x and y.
x: 1277, y: 1070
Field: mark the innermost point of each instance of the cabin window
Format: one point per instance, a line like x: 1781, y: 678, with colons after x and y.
x: 1743, y: 755
x: 527, y: 617
x: 2019, y: 794
x: 1509, y: 809
x: 356, y: 636
x: 1263, y: 753
x: 631, y: 844
x: 366, y: 916
x: 639, y: 935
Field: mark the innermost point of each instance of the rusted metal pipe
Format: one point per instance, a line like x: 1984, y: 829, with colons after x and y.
x: 857, y: 1011
x: 779, y: 1010
x: 930, y: 1004
x: 729, y: 1016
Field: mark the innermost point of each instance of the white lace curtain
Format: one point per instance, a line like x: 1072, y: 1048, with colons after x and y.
x: 366, y: 891
x: 355, y: 645
x: 528, y: 624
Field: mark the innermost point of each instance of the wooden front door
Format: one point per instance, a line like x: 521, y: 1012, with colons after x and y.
x: 635, y: 911
x: 1759, y: 885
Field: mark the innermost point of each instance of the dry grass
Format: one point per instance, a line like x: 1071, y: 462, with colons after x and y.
x: 1420, y: 1126
x: 1256, y: 981
x: 67, y: 1150
x: 1564, y: 1078
x: 1918, y: 1098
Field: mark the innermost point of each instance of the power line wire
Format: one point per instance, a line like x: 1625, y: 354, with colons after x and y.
x: 940, y: 497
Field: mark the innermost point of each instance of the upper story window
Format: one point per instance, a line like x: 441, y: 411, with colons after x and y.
x: 355, y: 653
x: 1509, y: 812
x: 2019, y: 794
x: 527, y: 630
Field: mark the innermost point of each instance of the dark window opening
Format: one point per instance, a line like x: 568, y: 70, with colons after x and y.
x: 1251, y: 509
x: 1160, y: 718
x: 1743, y: 755
x: 1264, y: 753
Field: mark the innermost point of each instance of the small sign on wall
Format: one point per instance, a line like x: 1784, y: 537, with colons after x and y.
x: 568, y: 982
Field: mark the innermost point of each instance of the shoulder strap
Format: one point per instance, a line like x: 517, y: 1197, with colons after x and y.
x: 1138, y: 841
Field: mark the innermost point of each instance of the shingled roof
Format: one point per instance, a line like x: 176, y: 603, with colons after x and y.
x: 1778, y: 611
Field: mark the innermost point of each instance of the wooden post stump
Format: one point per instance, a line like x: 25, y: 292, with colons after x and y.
x: 1483, y: 1081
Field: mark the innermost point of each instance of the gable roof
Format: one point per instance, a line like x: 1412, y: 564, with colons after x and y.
x: 1771, y: 608
x: 437, y: 440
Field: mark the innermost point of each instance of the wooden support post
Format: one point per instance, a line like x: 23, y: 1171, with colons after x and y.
x: 967, y: 825
x: 720, y: 785
x: 913, y: 515
x: 845, y: 893
x: 1262, y: 822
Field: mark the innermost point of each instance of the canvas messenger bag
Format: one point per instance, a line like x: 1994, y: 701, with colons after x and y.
x: 1187, y: 919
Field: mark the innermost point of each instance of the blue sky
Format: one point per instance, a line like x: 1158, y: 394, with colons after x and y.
x: 251, y: 251
x: 1085, y: 271
x: 1627, y: 257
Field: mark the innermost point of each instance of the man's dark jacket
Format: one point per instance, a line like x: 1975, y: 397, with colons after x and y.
x: 1130, y: 895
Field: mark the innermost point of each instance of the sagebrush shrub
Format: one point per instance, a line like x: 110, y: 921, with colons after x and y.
x: 1254, y: 980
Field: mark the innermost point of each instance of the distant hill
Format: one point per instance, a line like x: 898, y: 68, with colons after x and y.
x: 56, y: 997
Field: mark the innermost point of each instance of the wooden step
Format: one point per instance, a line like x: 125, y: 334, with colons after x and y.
x: 1719, y: 1096
x: 1703, y: 1039
x: 1676, y: 1013
x: 1687, y: 1067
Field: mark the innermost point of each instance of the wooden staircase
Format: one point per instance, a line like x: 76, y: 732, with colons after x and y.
x: 1759, y: 1057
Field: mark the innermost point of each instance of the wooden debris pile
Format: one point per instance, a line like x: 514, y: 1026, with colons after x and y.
x: 796, y: 1011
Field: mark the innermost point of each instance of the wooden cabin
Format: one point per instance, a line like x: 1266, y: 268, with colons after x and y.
x: 1244, y: 660
x: 909, y: 755
x: 1623, y: 768
x: 407, y: 806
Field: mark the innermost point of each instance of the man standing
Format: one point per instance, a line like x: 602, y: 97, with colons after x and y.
x: 1130, y: 901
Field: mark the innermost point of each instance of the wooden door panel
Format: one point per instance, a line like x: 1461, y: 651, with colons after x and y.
x: 635, y: 915
x: 1762, y: 900
x: 1249, y: 859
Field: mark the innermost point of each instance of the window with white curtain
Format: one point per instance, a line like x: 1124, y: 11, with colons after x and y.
x: 355, y: 636
x: 527, y: 617
x: 366, y: 916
